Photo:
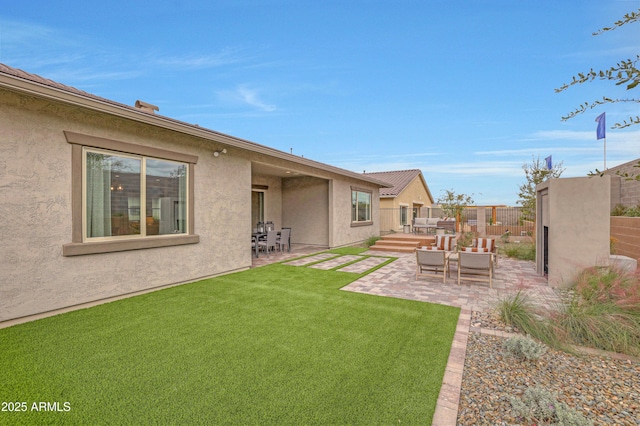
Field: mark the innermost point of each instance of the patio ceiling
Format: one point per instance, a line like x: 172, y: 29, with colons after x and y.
x: 270, y: 170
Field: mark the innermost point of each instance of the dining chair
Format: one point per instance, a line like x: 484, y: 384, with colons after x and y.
x: 270, y: 242
x: 283, y: 239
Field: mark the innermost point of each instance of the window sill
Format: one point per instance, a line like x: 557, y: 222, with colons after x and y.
x: 80, y: 249
x: 355, y: 224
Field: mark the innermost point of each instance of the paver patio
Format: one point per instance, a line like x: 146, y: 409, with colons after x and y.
x: 398, y: 279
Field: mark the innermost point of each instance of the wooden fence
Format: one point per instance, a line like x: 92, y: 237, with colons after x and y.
x: 498, y: 220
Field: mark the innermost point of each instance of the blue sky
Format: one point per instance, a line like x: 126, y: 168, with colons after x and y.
x: 463, y: 90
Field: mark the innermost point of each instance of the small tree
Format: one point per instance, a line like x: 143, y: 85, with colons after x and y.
x: 535, y: 173
x: 453, y: 204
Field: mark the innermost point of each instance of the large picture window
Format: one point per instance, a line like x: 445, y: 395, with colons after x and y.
x: 360, y: 206
x: 127, y: 195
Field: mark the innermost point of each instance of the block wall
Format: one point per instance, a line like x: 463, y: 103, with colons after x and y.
x: 626, y: 231
x: 625, y: 191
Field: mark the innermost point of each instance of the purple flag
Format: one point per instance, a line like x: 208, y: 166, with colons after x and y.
x: 548, y: 161
x: 600, y: 131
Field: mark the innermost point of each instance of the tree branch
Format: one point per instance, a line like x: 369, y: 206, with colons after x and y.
x: 628, y: 18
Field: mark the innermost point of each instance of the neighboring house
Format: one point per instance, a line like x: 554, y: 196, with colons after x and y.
x: 402, y: 201
x: 101, y: 199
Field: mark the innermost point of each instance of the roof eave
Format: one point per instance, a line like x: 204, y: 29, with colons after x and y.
x: 22, y: 85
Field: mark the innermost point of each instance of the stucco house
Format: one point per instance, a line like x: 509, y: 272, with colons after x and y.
x: 402, y: 200
x: 102, y: 199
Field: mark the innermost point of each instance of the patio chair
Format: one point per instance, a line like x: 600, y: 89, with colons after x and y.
x: 270, y: 243
x: 434, y: 261
x: 484, y: 245
x: 284, y: 239
x: 476, y: 264
x: 443, y: 242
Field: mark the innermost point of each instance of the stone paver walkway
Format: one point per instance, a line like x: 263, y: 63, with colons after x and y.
x: 337, y: 261
x: 364, y: 265
x: 310, y: 259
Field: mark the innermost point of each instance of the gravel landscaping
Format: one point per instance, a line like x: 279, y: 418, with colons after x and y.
x: 604, y: 389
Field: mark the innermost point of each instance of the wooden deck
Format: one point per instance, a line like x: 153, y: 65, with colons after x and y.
x: 402, y: 243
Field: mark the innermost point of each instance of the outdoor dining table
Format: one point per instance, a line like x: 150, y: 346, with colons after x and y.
x: 257, y: 236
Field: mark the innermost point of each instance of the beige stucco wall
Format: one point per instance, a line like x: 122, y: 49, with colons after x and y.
x: 306, y: 209
x: 343, y: 232
x: 35, y: 189
x: 415, y: 194
x: 35, y: 186
x: 576, y: 211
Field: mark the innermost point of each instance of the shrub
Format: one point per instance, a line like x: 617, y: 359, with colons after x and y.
x: 609, y: 284
x: 466, y: 239
x: 620, y: 210
x: 538, y: 405
x: 633, y: 211
x: 524, y: 348
x: 521, y: 251
x: 602, y: 311
x: 519, y: 312
x: 504, y: 238
x: 371, y: 241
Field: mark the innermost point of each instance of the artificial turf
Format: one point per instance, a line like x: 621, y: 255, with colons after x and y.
x: 273, y: 345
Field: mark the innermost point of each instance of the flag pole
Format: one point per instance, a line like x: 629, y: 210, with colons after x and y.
x: 605, y: 153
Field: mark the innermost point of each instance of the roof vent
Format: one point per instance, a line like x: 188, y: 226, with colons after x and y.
x: 143, y: 106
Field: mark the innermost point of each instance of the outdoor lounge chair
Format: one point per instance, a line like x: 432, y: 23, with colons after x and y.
x: 434, y: 261
x: 424, y: 223
x: 443, y: 242
x: 484, y: 245
x: 477, y: 264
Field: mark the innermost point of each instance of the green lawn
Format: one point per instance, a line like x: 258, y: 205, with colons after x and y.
x: 272, y: 345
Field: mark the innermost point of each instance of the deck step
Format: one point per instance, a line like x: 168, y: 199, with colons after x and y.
x: 393, y: 248
x: 402, y: 243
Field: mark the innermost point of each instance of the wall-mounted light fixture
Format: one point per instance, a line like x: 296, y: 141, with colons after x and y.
x: 217, y: 153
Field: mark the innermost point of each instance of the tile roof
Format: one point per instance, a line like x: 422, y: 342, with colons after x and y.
x: 399, y: 179
x: 52, y: 89
x: 55, y: 85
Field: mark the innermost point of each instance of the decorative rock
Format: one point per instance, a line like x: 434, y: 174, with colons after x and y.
x: 602, y: 389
